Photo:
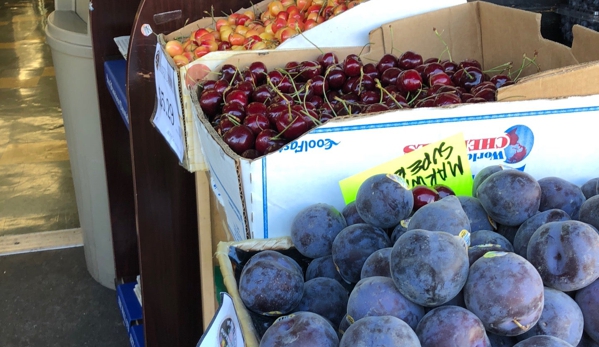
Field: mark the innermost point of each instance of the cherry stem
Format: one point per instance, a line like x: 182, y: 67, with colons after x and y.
x: 385, y: 91
x: 526, y: 62
x: 276, y: 90
x: 232, y: 118
x: 344, y: 103
x: 304, y: 36
x: 446, y: 50
x: 500, y: 68
x: 326, y: 73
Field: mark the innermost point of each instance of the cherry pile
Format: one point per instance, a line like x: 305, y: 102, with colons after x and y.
x: 257, y: 111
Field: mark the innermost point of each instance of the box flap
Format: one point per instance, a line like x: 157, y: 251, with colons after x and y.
x: 573, y: 80
x: 458, y: 26
x: 584, y: 46
x: 504, y: 41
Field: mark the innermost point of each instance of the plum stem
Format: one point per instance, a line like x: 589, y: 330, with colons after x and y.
x: 523, y: 327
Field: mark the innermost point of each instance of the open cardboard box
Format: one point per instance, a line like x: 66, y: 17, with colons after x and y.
x: 541, y: 124
x: 350, y: 28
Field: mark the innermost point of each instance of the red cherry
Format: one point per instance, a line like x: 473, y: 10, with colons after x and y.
x: 319, y: 85
x: 240, y: 138
x: 373, y: 108
x: 443, y: 99
x: 227, y: 72
x: 309, y: 69
x: 423, y: 195
x: 255, y: 108
x: 470, y: 77
x: 267, y: 138
x: 352, y: 65
x: 443, y: 190
x: 389, y: 77
x: 488, y: 94
x: 370, y: 97
x: 226, y: 123
x: 336, y: 77
x: 470, y: 62
x: 259, y: 70
x: 292, y: 125
x: 221, y: 85
x: 449, y: 67
x: 274, y: 111
x: 234, y: 109
x: 409, y: 60
x: 439, y: 78
x: 386, y: 61
x: 262, y: 94
x: 431, y: 69
x: 501, y: 80
x: 257, y: 122
x: 327, y: 59
x: 409, y: 80
x: 210, y: 102
x: 370, y: 70
x: 237, y: 96
x: 483, y: 85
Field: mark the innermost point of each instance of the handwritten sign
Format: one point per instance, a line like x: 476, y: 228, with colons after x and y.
x: 443, y: 162
x: 168, y: 109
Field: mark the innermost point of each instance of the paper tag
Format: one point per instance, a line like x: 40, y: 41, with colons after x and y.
x: 146, y: 30
x: 168, y: 110
x: 224, y: 329
x: 443, y: 162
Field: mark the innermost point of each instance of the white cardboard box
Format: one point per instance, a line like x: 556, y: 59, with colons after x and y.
x: 261, y: 197
x: 350, y: 28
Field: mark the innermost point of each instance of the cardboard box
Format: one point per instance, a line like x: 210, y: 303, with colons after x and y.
x: 347, y: 29
x: 541, y: 124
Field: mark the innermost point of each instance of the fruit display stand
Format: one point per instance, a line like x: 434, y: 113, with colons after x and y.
x: 152, y: 198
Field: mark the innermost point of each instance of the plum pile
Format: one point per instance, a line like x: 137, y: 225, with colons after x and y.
x: 440, y: 274
x: 257, y: 110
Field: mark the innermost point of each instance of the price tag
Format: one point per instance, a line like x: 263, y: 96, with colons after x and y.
x: 443, y: 162
x: 167, y: 118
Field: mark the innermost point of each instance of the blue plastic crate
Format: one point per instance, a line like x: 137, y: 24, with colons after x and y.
x: 116, y: 78
x: 129, y: 305
x: 136, y: 336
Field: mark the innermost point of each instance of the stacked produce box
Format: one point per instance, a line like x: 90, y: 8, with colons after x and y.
x: 475, y: 70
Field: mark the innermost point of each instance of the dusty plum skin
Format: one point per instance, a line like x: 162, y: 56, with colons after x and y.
x: 271, y: 283
x: 451, y: 326
x: 300, y: 329
x: 380, y: 331
x: 566, y: 254
x: 383, y: 200
x: 506, y: 292
x: 429, y: 267
x: 314, y: 228
x: 510, y: 196
x: 446, y: 215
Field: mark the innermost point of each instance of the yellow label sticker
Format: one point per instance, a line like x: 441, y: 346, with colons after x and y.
x: 443, y: 162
